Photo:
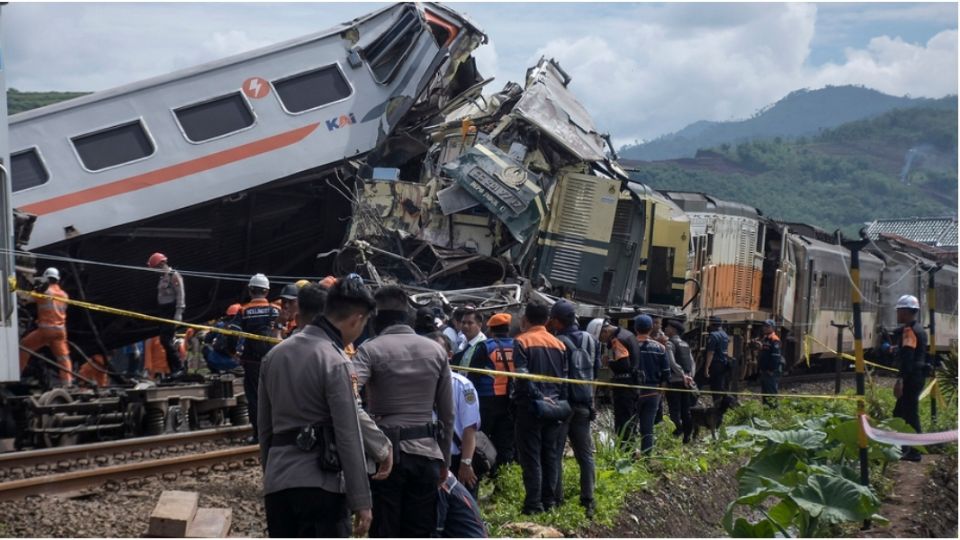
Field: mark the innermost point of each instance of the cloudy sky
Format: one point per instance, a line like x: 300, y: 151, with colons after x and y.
x: 642, y: 70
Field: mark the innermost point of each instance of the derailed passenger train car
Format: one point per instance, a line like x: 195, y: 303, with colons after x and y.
x: 232, y: 167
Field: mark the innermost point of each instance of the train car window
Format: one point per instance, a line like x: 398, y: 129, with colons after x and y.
x: 215, y: 118
x: 312, y: 89
x: 113, y: 146
x: 27, y: 170
x: 387, y: 52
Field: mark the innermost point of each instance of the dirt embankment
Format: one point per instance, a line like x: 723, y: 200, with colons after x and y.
x: 681, y: 506
x: 923, y: 502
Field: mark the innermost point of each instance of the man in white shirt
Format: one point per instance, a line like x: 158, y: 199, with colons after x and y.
x: 470, y: 326
x: 465, y: 425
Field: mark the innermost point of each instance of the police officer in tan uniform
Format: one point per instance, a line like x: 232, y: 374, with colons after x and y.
x: 406, y: 378
x: 308, y: 402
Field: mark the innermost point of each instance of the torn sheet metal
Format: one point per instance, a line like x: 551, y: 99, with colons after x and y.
x: 549, y: 105
x: 502, y: 186
x: 456, y: 199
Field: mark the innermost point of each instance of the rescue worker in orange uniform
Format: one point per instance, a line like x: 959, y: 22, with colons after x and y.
x: 770, y: 363
x: 51, y: 328
x: 96, y: 373
x: 910, y: 350
x: 258, y: 316
x: 496, y: 417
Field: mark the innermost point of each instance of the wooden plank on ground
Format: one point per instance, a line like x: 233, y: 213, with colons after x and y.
x: 210, y: 523
x: 173, y: 513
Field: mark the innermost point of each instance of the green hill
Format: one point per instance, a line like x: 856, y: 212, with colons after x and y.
x: 900, y: 164
x: 801, y: 113
x: 18, y: 101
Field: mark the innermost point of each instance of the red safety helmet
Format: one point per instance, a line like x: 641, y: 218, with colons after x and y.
x: 233, y: 309
x: 156, y: 260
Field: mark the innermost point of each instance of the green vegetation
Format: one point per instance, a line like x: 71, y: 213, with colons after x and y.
x: 18, y: 101
x: 838, y: 179
x: 814, y: 432
x: 811, y: 471
x: 619, y: 474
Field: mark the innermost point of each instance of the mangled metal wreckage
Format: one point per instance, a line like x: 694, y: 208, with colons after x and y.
x: 514, y: 188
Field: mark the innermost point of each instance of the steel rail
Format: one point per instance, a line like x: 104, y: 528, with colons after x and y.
x: 93, y: 478
x: 29, y: 458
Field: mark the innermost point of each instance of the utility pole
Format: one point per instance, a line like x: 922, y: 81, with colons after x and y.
x: 855, y: 246
x: 838, y: 364
x: 932, y: 350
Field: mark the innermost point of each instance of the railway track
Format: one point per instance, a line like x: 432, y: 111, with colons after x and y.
x: 101, y: 460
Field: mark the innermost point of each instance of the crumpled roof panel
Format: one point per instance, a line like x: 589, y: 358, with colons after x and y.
x: 549, y: 105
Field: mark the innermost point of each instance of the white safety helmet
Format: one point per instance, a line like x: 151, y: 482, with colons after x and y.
x: 594, y: 327
x: 51, y: 273
x: 259, y: 281
x: 908, y: 301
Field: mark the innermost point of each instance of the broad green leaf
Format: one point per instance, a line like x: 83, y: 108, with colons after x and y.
x: 833, y: 499
x: 806, y: 439
x: 761, y: 423
x: 825, y: 421
x: 762, y: 529
x: 832, y: 469
x: 783, y: 512
x: 896, y: 424
x: 846, y: 434
x: 774, y: 468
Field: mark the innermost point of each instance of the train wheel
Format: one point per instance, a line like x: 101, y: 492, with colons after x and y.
x: 57, y: 396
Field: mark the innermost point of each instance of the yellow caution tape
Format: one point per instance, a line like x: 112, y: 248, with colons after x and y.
x: 12, y: 283
x: 527, y: 376
x: 141, y: 316
x: 845, y: 356
x: 933, y: 389
x: 560, y: 380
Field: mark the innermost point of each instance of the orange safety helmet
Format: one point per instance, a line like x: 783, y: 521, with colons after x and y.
x: 156, y: 260
x: 328, y: 282
x: 233, y: 309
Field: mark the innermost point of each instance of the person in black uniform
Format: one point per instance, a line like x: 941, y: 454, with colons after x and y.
x: 717, y: 367
x: 682, y: 370
x: 770, y: 362
x: 653, y: 371
x: 624, y: 361
x: 911, y: 354
x: 258, y: 316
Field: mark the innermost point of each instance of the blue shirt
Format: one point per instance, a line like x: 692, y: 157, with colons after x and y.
x: 466, y: 408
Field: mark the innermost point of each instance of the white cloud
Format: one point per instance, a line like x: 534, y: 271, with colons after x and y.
x: 643, y: 79
x: 896, y: 67
x: 487, y: 61
x: 222, y: 44
x: 641, y: 70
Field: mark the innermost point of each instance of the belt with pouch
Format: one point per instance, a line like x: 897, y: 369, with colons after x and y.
x: 397, y: 434
x: 313, y: 438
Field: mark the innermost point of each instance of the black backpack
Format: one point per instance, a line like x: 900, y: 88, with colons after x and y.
x: 581, y: 363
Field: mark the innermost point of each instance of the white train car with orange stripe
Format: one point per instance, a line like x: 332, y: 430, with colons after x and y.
x: 233, y: 166
x: 156, y: 146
